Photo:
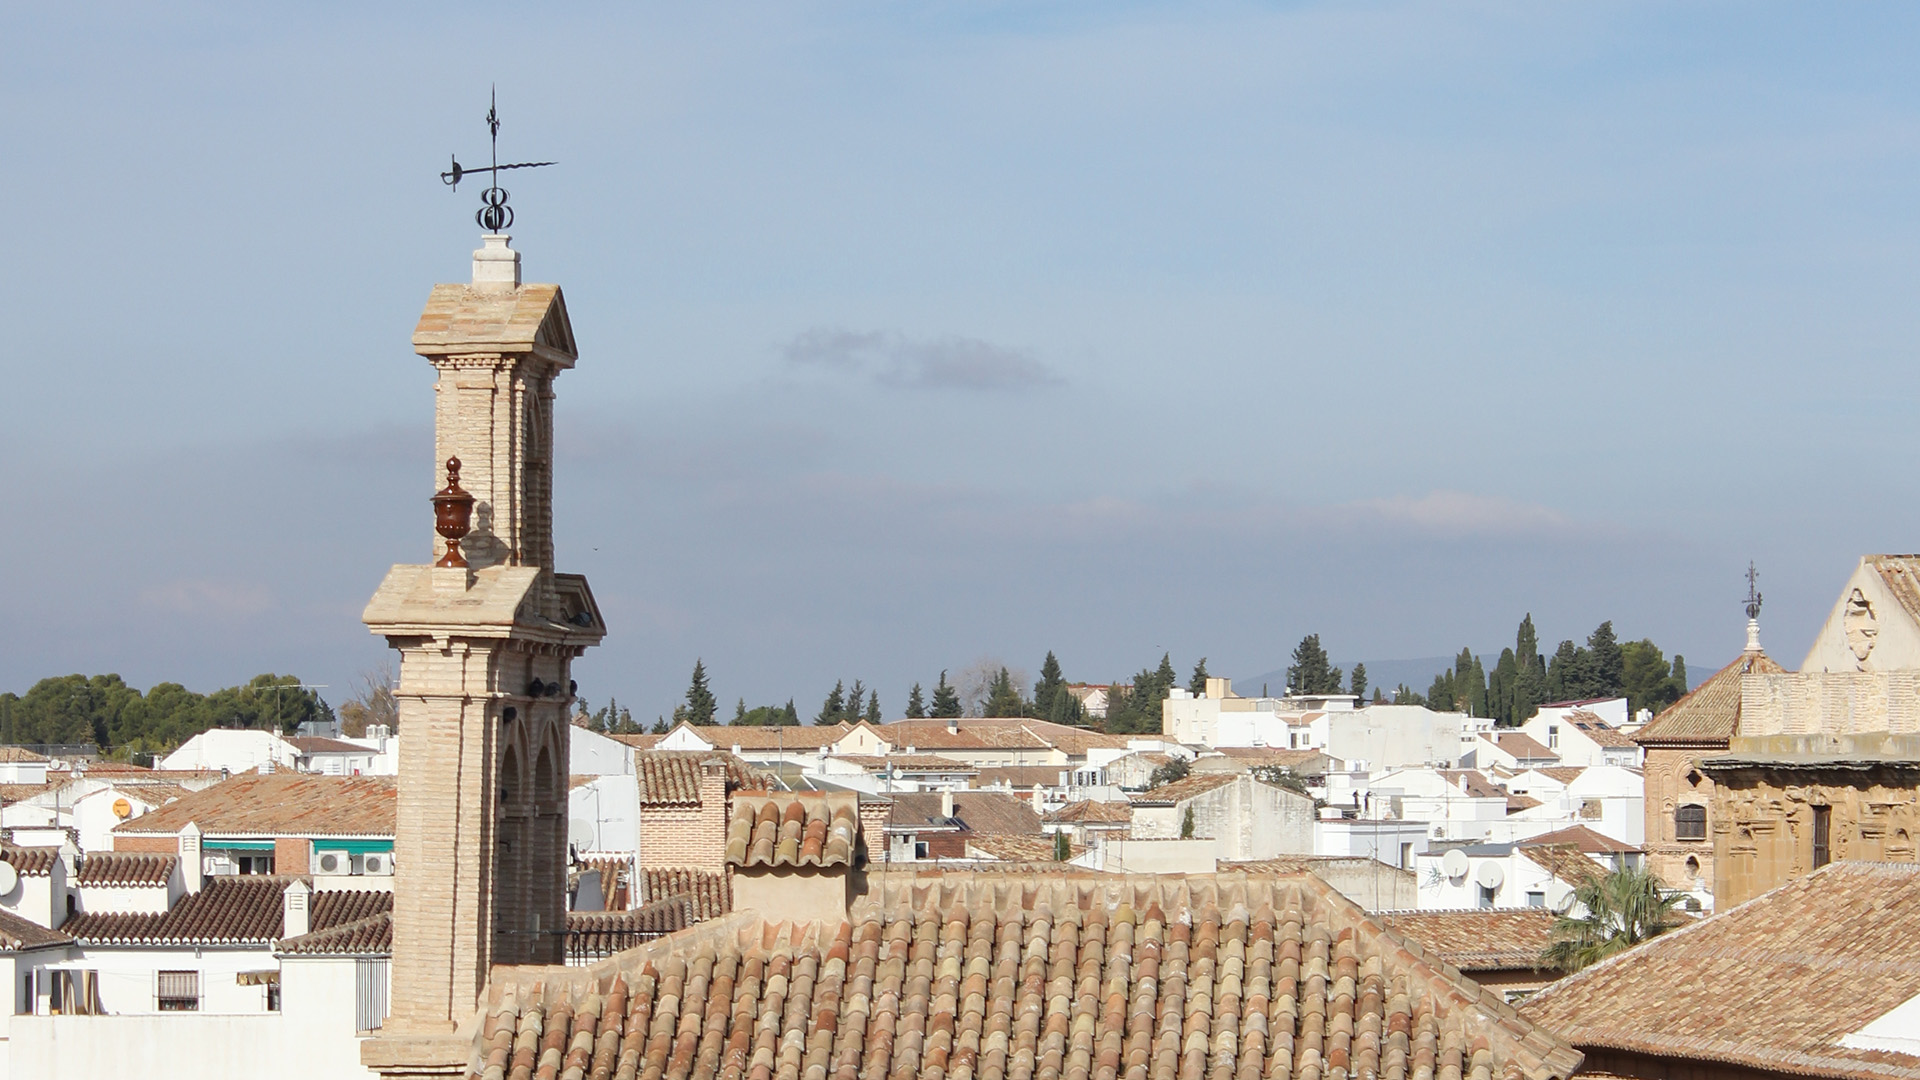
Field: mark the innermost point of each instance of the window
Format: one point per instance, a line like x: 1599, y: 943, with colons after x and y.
x: 1553, y: 736
x: 1690, y: 822
x: 1406, y: 856
x: 1822, y: 835
x: 179, y: 991
x: 273, y: 997
x: 1486, y: 896
x: 1537, y: 899
x: 369, y: 994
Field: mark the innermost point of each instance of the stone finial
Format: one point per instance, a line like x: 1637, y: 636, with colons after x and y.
x: 496, y: 265
x: 452, y: 515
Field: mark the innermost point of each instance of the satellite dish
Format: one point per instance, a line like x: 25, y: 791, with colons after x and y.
x: 9, y: 877
x: 1559, y: 897
x: 581, y: 833
x: 1454, y: 862
x: 1490, y: 875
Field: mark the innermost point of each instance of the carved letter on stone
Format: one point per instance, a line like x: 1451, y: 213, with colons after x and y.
x: 1861, y: 626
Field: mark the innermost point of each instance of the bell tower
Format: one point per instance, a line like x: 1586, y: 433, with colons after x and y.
x: 487, y: 632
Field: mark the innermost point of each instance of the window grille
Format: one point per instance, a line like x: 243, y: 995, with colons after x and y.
x: 369, y: 994
x: 178, y: 991
x: 1690, y: 822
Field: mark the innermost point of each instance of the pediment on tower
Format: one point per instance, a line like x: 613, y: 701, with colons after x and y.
x: 463, y: 319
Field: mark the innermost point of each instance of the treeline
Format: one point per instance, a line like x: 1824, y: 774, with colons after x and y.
x: 104, y: 710
x: 1522, y: 679
x: 989, y: 690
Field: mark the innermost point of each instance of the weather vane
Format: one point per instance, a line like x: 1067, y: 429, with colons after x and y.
x: 1753, y: 591
x: 494, y: 214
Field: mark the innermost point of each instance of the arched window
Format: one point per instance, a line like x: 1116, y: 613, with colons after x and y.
x: 1690, y: 822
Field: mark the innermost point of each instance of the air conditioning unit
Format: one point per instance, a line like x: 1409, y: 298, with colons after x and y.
x: 220, y: 864
x: 378, y: 864
x: 332, y: 862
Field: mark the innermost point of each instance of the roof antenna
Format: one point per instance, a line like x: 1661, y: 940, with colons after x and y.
x: 494, y: 214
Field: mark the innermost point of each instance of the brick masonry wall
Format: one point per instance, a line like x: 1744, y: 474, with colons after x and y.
x: 166, y: 845
x: 292, y: 855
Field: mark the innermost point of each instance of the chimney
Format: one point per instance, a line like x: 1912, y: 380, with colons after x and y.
x: 953, y: 725
x: 946, y: 802
x: 294, y: 919
x: 190, y: 866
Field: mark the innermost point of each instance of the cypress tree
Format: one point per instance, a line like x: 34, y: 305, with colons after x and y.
x: 1197, y: 686
x: 1478, y: 688
x: 1358, y: 687
x: 946, y: 701
x: 835, y: 705
x: 916, y: 705
x: 1050, y: 686
x: 701, y: 705
x: 1003, y: 699
x: 1609, y: 669
x: 873, y: 707
x: 790, y: 716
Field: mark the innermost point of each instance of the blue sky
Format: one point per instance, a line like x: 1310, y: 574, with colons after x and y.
x: 913, y: 335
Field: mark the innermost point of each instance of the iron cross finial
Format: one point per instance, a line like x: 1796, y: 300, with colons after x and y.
x: 1753, y: 591
x: 494, y: 214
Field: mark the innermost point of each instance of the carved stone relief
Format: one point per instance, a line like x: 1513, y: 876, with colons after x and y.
x: 1862, y: 627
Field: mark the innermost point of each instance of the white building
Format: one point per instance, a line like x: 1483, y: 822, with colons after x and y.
x: 1538, y: 873
x: 1581, y: 737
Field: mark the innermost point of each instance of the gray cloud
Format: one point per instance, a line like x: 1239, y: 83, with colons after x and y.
x: 892, y: 359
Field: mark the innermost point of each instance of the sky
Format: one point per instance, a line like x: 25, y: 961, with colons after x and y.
x: 916, y: 335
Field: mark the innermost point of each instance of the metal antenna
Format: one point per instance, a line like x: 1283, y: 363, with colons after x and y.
x: 1753, y: 591
x: 494, y: 214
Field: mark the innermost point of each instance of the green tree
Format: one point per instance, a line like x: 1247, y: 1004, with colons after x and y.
x: 740, y: 711
x: 1197, y: 686
x: 1003, y: 698
x: 946, y: 700
x: 1062, y: 847
x: 873, y: 707
x: 1649, y: 681
x: 1310, y: 673
x: 1680, y: 674
x: 1176, y: 769
x: 835, y: 706
x: 1404, y: 695
x: 1136, y: 709
x: 1358, y: 684
x: 916, y: 704
x: 1623, y: 909
x: 1186, y: 824
x: 1052, y: 685
x: 1609, y: 677
x: 700, y: 706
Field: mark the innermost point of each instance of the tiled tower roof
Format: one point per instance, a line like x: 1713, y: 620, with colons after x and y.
x: 994, y: 977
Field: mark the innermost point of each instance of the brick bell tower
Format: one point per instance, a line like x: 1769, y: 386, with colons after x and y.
x: 487, y: 633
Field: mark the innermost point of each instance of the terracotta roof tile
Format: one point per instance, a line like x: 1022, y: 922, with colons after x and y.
x: 1566, y: 774
x: 1091, y: 812
x: 707, y: 889
x: 603, y: 933
x: 371, y: 936
x: 279, y: 804
x: 1474, y: 783
x: 1477, y: 939
x: 1773, y: 984
x: 751, y: 737
x: 985, y: 813
x: 1601, y: 732
x: 1019, y: 777
x: 1023, y: 976
x: 1711, y: 713
x: 1022, y: 849
x: 127, y: 868
x: 907, y: 762
x: 1563, y: 861
x: 13, y: 793
x: 18, y: 934
x: 672, y: 777
x: 1585, y: 840
x: 976, y: 733
x: 1181, y: 790
x: 813, y: 828
x: 1250, y: 756
x: 19, y: 755
x: 228, y: 910
x: 30, y: 861
x: 1521, y: 745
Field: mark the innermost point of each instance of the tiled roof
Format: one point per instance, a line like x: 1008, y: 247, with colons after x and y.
x: 30, y: 861
x: 228, y: 910
x: 1566, y: 774
x: 1901, y: 574
x: 1181, y: 790
x: 316, y: 744
x: 18, y: 933
x: 1517, y: 803
x: 1477, y: 939
x: 1250, y: 756
x: 1024, y: 849
x: 750, y: 737
x: 638, y: 742
x: 1090, y: 812
x: 707, y: 889
x: 1601, y: 732
x: 983, y: 813
x: 279, y: 804
x: 1019, y: 976
x: 13, y: 793
x: 1563, y: 861
x: 152, y: 793
x: 1521, y: 745
x: 1711, y: 713
x: 127, y: 868
x: 907, y: 762
x: 975, y: 733
x: 812, y: 828
x: 19, y: 755
x: 603, y: 933
x: 1587, y: 841
x: 672, y: 777
x: 1474, y: 783
x: 1773, y: 984
x: 371, y: 936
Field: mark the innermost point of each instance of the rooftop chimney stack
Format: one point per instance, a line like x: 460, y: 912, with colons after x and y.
x: 191, y: 870
x: 295, y: 917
